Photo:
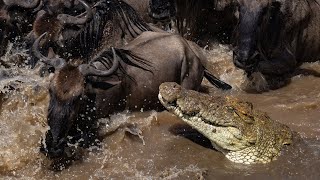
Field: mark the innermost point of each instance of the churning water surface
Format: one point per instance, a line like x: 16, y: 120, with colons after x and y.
x: 161, y: 154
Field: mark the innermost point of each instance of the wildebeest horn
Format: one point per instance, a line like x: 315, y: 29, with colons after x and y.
x: 57, y: 63
x: 24, y: 4
x: 89, y: 70
x: 68, y: 19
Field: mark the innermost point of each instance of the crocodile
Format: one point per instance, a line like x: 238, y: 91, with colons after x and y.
x: 243, y: 134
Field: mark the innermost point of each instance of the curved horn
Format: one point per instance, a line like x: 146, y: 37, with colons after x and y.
x: 57, y: 63
x: 24, y: 4
x: 88, y: 70
x: 68, y: 19
x: 35, y: 49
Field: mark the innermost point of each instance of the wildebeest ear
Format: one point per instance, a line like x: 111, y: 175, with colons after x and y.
x: 113, y: 82
x: 51, y: 53
x: 103, y: 84
x: 91, y: 70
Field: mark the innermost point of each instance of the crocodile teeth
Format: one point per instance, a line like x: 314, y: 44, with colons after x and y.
x: 178, y: 112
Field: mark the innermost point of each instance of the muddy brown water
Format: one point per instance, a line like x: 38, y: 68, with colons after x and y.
x: 172, y: 150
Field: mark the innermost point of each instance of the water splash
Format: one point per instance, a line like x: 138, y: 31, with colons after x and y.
x: 23, y: 102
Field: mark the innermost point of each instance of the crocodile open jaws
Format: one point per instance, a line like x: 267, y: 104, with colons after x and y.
x: 243, y: 134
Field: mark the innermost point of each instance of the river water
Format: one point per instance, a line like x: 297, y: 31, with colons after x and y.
x: 169, y: 149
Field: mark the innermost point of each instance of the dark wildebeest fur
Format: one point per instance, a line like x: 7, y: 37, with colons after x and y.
x: 6, y: 30
x: 162, y: 10
x: 127, y: 78
x: 275, y: 37
x: 199, y: 21
x: 141, y: 7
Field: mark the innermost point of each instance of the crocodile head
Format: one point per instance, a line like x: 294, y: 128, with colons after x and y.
x: 243, y: 134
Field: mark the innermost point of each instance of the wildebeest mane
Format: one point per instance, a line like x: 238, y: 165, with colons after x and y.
x: 126, y: 56
x: 125, y: 11
x: 113, y: 11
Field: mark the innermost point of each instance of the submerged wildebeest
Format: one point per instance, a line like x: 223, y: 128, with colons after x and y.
x: 113, y: 81
x: 199, y: 21
x: 275, y: 37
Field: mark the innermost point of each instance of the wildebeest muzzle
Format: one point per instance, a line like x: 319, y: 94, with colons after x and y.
x: 245, y: 60
x: 53, y: 148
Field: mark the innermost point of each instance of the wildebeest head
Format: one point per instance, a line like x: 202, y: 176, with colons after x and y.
x: 52, y: 20
x: 67, y: 94
x: 250, y: 17
x: 162, y: 9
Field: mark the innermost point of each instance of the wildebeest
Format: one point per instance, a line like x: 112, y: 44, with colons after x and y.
x: 199, y: 21
x: 274, y: 37
x: 115, y: 80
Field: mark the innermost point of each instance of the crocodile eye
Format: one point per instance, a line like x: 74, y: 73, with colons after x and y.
x: 173, y: 103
